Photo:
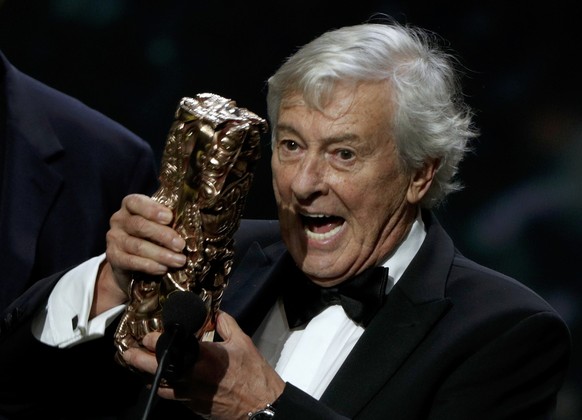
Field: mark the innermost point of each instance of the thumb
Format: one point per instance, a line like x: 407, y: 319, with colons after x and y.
x: 227, y: 327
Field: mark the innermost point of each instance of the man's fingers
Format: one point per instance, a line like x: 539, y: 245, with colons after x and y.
x: 141, y: 360
x: 142, y: 205
x: 226, y: 326
x: 144, y: 217
x: 141, y: 227
x: 128, y: 252
x: 138, y: 242
x: 150, y: 340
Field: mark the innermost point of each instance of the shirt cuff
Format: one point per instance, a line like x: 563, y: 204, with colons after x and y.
x: 64, y: 322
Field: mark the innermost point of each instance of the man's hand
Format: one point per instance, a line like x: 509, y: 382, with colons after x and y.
x: 139, y: 240
x: 229, y: 379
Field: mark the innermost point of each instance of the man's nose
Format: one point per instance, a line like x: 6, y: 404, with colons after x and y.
x: 310, y: 179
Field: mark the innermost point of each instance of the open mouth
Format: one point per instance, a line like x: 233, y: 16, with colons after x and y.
x: 321, y: 226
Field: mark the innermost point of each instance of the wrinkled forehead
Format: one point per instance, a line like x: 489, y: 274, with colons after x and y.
x: 343, y: 98
x: 340, y: 97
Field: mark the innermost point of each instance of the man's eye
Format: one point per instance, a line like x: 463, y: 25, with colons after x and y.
x: 345, y: 154
x: 290, y: 144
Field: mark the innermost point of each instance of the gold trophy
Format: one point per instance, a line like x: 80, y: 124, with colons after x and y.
x: 206, y: 173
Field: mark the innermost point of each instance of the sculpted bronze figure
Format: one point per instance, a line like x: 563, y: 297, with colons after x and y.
x: 206, y: 173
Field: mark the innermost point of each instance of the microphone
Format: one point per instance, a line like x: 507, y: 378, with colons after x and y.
x: 177, y: 348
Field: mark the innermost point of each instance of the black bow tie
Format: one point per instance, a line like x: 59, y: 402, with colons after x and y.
x: 361, y: 297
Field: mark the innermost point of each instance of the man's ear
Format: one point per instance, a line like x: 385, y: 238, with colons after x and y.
x: 421, y: 181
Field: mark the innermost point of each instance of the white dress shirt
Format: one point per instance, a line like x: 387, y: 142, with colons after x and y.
x: 308, y: 357
x: 64, y: 321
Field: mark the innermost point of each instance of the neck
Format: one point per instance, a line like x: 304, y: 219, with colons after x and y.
x: 395, y: 232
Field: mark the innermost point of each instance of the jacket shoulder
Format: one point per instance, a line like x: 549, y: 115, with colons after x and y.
x: 265, y: 232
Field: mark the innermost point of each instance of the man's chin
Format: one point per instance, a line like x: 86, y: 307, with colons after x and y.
x: 321, y: 270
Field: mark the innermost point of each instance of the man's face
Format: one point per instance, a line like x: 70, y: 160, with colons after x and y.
x: 340, y: 191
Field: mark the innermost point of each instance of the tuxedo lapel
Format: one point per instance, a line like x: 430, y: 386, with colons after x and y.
x: 388, y: 341
x: 253, y: 287
x: 412, y: 308
x: 31, y: 182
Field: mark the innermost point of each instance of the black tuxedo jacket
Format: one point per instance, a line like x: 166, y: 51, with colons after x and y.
x: 454, y: 340
x: 65, y: 170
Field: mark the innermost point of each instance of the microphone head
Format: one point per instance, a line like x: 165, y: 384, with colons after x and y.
x: 184, y: 310
x: 177, y: 348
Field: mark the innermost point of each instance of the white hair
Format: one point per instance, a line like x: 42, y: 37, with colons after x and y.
x: 430, y: 121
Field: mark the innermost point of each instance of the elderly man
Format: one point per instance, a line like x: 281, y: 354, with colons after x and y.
x: 369, y: 127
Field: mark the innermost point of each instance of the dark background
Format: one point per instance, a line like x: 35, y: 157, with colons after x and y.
x: 521, y: 209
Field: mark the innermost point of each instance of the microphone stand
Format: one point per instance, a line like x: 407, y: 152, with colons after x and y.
x: 158, y: 377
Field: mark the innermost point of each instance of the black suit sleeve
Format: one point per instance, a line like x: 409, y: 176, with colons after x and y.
x: 40, y: 381
x: 19, y: 313
x: 296, y: 404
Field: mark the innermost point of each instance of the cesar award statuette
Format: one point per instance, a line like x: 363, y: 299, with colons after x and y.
x: 206, y: 173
